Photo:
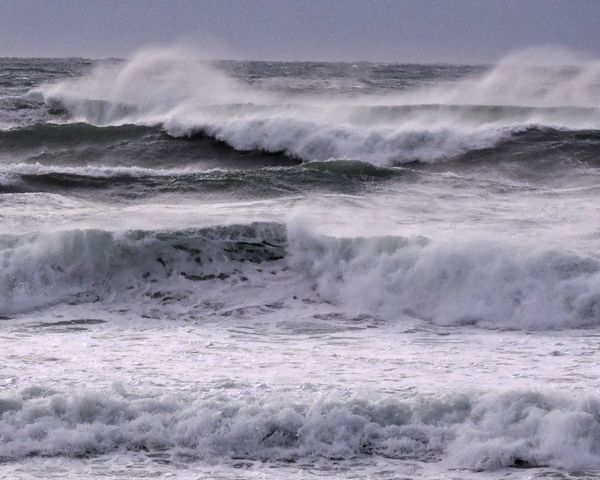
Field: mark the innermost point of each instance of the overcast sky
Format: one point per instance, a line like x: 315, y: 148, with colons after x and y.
x: 379, y: 30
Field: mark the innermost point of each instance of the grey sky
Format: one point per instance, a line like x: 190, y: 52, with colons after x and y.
x: 402, y: 30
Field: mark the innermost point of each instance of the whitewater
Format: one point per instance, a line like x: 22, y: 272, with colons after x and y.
x: 251, y: 269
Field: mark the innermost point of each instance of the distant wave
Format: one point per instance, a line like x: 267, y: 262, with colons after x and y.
x: 168, y: 88
x: 481, y: 432
x: 487, y: 284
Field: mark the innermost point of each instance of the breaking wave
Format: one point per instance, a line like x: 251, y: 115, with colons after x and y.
x: 44, y: 269
x: 482, y: 432
x: 482, y: 283
x: 168, y: 88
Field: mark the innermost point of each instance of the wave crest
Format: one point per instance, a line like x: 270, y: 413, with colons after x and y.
x: 170, y: 88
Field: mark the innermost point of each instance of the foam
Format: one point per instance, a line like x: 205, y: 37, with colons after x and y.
x: 483, y: 432
x: 90, y: 265
x: 471, y: 282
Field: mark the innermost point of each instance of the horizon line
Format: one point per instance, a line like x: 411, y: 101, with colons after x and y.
x: 349, y: 62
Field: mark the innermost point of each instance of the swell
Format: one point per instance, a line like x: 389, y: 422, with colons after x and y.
x: 468, y: 283
x: 67, y: 134
x: 259, y: 181
x: 481, y: 432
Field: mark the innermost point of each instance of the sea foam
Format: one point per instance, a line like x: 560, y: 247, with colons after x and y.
x: 471, y: 282
x: 483, y: 432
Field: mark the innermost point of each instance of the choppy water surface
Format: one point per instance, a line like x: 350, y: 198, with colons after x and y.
x: 288, y: 270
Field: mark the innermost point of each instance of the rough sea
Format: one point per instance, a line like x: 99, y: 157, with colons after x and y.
x: 262, y: 270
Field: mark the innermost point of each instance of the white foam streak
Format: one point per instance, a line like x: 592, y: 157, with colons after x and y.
x: 9, y: 173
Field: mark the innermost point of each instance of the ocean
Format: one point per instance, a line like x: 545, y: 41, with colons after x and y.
x: 270, y: 270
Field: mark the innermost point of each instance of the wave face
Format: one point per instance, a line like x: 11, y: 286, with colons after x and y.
x: 471, y: 283
x: 167, y: 88
x: 522, y: 429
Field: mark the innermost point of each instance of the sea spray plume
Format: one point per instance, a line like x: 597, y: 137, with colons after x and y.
x: 533, y: 77
x: 151, y: 87
x: 168, y: 87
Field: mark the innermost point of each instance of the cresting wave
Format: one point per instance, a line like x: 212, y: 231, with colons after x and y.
x: 91, y: 265
x: 488, y: 284
x: 482, y: 432
x: 167, y: 87
x: 78, y: 144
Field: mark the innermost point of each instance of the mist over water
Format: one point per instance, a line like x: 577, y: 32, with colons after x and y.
x: 235, y: 269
